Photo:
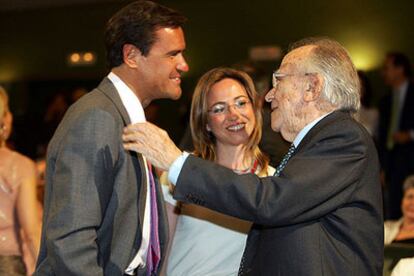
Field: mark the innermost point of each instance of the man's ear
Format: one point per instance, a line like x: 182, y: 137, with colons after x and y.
x: 313, y: 88
x: 130, y: 54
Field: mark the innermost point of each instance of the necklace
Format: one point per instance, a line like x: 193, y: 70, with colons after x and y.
x: 251, y: 169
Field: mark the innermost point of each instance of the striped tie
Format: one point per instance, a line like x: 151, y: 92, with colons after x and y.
x: 285, y: 159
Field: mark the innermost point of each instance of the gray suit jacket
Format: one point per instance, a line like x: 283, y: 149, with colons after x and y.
x: 322, y: 216
x: 95, y: 192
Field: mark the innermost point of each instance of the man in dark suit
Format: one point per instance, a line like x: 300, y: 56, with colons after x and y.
x: 102, y: 215
x: 321, y: 213
x: 396, y: 129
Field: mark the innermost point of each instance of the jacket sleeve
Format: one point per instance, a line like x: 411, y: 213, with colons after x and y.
x: 318, y: 179
x: 81, y: 166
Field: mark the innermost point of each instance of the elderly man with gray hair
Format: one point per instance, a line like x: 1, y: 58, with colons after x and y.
x: 321, y: 213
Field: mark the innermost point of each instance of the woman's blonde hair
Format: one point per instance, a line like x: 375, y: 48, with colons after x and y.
x: 203, y: 140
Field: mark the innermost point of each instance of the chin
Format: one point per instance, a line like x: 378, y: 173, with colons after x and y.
x: 237, y: 141
x: 178, y: 92
x: 174, y: 95
x: 287, y: 136
x: 409, y: 215
x: 275, y: 127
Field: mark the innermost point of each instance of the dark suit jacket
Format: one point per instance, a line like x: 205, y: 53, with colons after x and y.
x: 322, y: 216
x: 95, y: 192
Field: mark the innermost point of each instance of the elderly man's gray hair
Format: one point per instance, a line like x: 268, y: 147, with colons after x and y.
x: 330, y: 59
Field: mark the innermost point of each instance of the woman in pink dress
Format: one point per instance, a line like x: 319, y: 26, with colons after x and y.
x: 19, y: 208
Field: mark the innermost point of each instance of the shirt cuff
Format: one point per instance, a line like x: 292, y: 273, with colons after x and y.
x: 176, y: 167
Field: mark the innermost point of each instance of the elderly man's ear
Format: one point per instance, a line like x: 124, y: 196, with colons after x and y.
x: 130, y: 54
x: 313, y: 88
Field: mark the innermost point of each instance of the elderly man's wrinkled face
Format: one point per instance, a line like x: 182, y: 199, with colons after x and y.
x: 286, y: 97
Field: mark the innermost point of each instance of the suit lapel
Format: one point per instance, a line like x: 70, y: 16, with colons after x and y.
x: 107, y: 88
x: 110, y: 91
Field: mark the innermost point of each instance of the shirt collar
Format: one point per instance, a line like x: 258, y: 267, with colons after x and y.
x: 403, y: 87
x: 306, y: 129
x: 130, y: 101
x: 403, y: 91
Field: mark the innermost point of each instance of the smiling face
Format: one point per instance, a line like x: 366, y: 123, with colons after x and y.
x: 407, y: 204
x: 159, y: 73
x: 231, y: 117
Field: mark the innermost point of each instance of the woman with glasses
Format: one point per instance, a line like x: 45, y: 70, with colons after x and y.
x: 226, y: 128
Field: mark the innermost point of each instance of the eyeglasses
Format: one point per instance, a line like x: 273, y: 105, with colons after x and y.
x: 277, y: 77
x: 223, y: 108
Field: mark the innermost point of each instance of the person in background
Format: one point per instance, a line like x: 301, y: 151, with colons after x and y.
x: 321, y: 212
x: 7, y: 118
x: 404, y: 267
x: 402, y: 230
x: 226, y: 126
x: 396, y: 129
x: 20, y: 223
x: 367, y: 115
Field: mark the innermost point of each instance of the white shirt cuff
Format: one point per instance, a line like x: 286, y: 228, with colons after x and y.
x: 176, y: 167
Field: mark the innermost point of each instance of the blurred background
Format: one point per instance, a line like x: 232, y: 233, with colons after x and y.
x: 51, y: 51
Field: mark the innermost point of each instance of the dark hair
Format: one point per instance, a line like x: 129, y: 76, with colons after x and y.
x: 401, y: 60
x: 366, y: 89
x: 136, y: 24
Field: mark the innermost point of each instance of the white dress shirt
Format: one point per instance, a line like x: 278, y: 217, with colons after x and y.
x: 136, y: 114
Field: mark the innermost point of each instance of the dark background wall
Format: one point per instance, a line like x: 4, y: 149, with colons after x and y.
x: 36, y: 38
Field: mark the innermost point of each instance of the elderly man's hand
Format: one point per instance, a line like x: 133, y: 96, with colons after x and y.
x: 152, y: 142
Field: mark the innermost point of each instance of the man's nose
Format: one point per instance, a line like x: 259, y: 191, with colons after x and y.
x: 270, y: 95
x: 182, y: 65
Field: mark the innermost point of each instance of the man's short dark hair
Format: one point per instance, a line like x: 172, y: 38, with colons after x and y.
x: 136, y: 24
x: 401, y: 60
